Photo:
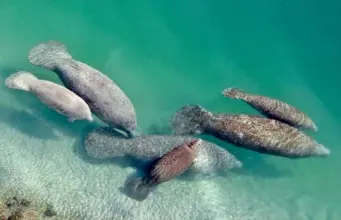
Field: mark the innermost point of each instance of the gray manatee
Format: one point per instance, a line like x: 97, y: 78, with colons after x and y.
x: 105, y: 99
x: 255, y: 133
x: 103, y: 143
x: 55, y: 96
x: 273, y: 108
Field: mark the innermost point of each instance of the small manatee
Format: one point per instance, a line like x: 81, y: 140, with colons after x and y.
x: 55, y: 96
x: 273, y: 108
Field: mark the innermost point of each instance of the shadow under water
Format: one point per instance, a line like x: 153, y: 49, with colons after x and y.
x: 27, y: 123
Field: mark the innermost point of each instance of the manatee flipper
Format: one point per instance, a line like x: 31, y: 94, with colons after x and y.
x: 71, y: 119
x: 188, y: 120
x: 137, y: 188
x: 133, y: 134
x: 48, y: 53
x: 20, y: 80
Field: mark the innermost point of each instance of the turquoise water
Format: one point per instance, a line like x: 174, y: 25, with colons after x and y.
x: 165, y: 55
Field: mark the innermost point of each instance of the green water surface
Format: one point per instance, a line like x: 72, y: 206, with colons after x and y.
x: 165, y: 54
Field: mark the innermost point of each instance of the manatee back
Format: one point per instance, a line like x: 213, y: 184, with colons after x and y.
x: 172, y: 164
x: 105, y: 99
x: 265, y: 136
x: 60, y: 99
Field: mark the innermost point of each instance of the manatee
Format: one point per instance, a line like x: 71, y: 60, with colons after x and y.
x: 105, y: 99
x: 164, y: 169
x: 273, y: 108
x: 104, y: 143
x: 251, y: 132
x: 55, y: 96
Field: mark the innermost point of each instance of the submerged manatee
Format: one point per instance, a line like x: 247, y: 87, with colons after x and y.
x: 164, y: 169
x: 56, y: 97
x: 250, y: 132
x: 103, y: 143
x: 105, y: 99
x: 273, y: 108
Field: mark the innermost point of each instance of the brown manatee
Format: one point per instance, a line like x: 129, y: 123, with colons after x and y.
x: 164, y: 169
x: 273, y: 108
x: 255, y: 133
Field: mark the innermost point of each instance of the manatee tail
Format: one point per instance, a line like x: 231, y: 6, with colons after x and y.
x: 105, y: 143
x: 47, y: 54
x: 321, y: 150
x: 189, y: 120
x: 233, y: 93
x: 138, y: 188
x: 21, y: 80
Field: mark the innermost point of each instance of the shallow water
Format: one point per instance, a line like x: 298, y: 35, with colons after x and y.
x: 165, y: 55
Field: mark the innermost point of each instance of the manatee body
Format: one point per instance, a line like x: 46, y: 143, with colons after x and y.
x: 56, y: 97
x: 105, y: 99
x: 250, y: 132
x: 104, y: 143
x: 273, y: 108
x: 173, y: 163
x: 165, y: 168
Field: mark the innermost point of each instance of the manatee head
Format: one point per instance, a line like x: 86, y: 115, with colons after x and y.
x: 211, y: 159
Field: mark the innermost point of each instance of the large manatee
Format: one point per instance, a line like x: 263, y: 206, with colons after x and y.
x: 104, y: 143
x: 255, y: 133
x: 55, y: 96
x: 273, y: 108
